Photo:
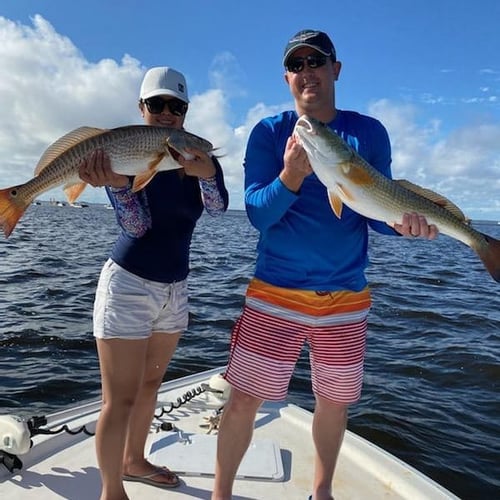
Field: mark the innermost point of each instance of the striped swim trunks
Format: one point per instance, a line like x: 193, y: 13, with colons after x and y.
x: 276, y: 322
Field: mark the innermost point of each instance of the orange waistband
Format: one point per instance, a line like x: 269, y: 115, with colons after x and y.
x: 309, y: 301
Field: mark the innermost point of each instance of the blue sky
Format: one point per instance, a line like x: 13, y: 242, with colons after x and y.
x: 429, y: 70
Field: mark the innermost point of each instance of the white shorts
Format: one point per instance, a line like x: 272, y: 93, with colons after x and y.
x: 129, y: 307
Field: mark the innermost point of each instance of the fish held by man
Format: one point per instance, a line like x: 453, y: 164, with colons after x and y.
x: 135, y: 150
x: 351, y: 180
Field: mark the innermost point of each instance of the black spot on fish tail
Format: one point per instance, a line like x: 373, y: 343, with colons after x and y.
x: 490, y: 256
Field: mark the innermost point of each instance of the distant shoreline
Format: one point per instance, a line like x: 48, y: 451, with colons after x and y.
x: 85, y: 204
x: 477, y: 222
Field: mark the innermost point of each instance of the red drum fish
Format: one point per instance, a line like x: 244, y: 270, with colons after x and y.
x: 136, y: 150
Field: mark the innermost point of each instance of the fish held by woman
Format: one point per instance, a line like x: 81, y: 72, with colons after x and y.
x: 351, y: 180
x: 135, y: 150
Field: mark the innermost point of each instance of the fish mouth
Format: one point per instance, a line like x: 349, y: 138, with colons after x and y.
x: 179, y: 154
x: 305, y: 123
x: 304, y: 130
x: 308, y: 133
x: 174, y: 153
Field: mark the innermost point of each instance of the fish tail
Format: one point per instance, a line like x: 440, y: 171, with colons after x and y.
x: 11, y: 209
x: 490, y: 256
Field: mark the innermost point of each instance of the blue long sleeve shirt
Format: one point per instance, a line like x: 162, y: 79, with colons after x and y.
x: 302, y: 244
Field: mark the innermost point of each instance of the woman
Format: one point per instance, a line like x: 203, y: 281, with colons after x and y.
x: 141, y: 304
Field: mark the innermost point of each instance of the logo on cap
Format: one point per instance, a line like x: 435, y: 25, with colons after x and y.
x: 304, y: 35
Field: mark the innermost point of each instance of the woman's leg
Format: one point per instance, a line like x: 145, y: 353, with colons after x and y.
x: 161, y: 346
x: 122, y: 371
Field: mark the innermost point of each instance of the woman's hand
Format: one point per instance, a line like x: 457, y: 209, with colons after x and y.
x: 200, y: 166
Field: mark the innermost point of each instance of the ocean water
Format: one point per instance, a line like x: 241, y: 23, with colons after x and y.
x: 431, y: 391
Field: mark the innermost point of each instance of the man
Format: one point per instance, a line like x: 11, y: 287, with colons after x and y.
x: 309, y: 282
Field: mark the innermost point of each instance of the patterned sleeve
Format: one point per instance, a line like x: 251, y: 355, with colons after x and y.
x: 212, y: 198
x: 132, y: 210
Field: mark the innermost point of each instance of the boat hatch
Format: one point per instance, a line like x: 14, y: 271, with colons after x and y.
x: 194, y: 455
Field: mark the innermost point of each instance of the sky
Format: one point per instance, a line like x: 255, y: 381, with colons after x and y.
x: 428, y: 70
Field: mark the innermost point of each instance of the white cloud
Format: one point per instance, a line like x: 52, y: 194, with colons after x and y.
x: 48, y: 88
x: 226, y: 74
x: 463, y: 165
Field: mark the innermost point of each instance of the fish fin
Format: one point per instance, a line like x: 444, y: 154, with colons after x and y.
x: 64, y: 143
x: 335, y: 203
x: 212, y: 154
x: 11, y: 209
x: 73, y: 191
x: 358, y: 174
x: 436, y: 198
x: 142, y: 179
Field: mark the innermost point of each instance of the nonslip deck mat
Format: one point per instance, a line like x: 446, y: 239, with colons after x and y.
x: 194, y: 455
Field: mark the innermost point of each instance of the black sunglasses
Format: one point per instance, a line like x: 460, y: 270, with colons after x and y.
x: 157, y: 104
x: 296, y: 64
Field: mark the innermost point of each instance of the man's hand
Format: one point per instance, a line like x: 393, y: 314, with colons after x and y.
x: 416, y: 226
x: 296, y: 165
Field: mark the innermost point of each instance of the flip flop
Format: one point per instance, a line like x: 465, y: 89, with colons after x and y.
x: 148, y: 478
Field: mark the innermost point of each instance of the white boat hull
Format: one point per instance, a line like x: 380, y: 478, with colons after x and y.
x: 278, y: 465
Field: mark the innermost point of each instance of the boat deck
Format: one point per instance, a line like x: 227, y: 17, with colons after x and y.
x: 277, y: 466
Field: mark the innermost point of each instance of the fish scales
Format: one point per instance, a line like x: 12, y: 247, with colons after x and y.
x: 389, y: 201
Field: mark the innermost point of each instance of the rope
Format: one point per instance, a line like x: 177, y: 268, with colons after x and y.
x: 185, y: 398
x: 35, y: 423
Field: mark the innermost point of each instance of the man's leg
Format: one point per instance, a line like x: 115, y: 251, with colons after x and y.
x: 329, y: 424
x: 235, y: 434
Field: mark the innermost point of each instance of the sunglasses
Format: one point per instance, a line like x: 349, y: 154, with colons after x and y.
x: 313, y: 61
x: 157, y: 104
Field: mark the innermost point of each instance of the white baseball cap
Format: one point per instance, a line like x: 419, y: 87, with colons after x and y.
x: 164, y: 81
